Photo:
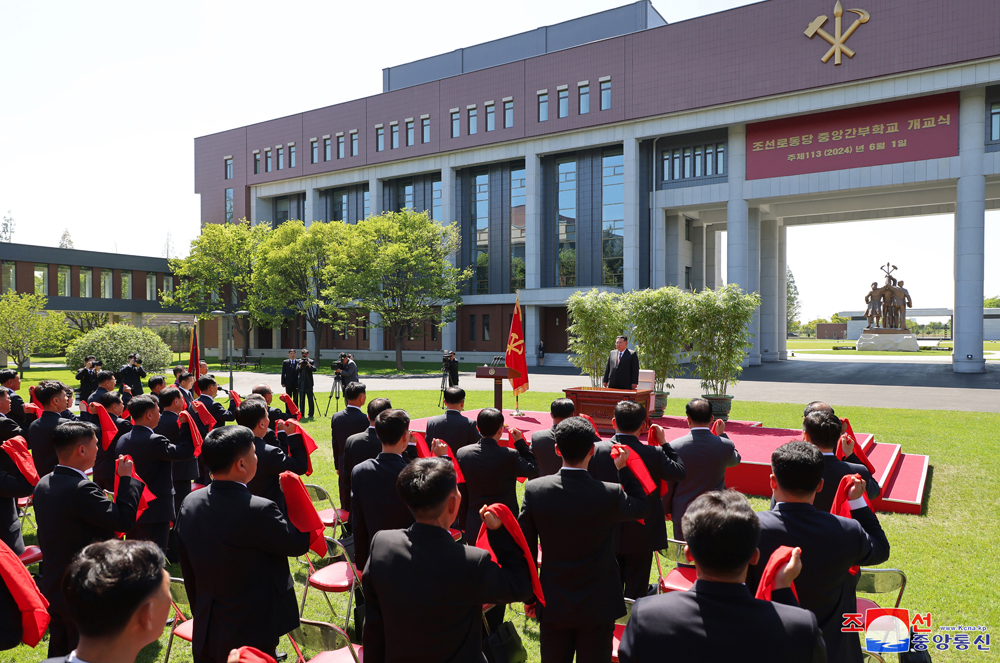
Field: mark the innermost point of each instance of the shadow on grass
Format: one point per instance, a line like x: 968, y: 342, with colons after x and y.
x: 927, y: 490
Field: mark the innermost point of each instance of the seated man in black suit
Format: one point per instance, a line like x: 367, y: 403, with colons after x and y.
x: 11, y: 381
x: 271, y: 460
x: 234, y: 549
x: 705, y: 456
x: 457, y: 431
x: 52, y: 396
x: 719, y: 620
x: 831, y: 545
x: 823, y: 429
x: 424, y: 593
x: 209, y: 390
x: 364, y: 445
x: 182, y: 472
x: 156, y: 384
x: 274, y: 414
x: 104, y: 466
x: 13, y: 484
x: 118, y: 595
x: 185, y: 381
x: 635, y: 542
x: 106, y: 382
x: 543, y: 442
x: 70, y: 398
x: 344, y: 424
x: 72, y: 512
x: 573, y: 516
x: 154, y: 456
x: 622, y: 369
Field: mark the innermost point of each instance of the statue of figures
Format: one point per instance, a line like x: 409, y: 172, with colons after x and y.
x: 901, y: 300
x: 874, y: 301
x: 886, y: 306
x: 888, y: 312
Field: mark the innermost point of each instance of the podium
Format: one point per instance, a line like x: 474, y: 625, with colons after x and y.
x: 498, y: 374
x: 599, y: 404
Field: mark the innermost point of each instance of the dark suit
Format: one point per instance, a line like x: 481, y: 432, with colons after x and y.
x: 491, y: 473
x: 306, y: 369
x: 132, y: 376
x: 623, y: 373
x: 290, y: 379
x: 635, y: 542
x: 705, y: 457
x: 830, y: 546
x: 182, y: 471
x: 358, y: 448
x: 377, y: 505
x: 95, y: 397
x: 104, y: 465
x: 347, y: 422
x: 39, y: 440
x: 153, y: 455
x: 16, y: 408
x: 66, y: 414
x: 234, y: 549
x: 424, y: 594
x: 543, y: 445
x: 452, y: 372
x: 716, y: 622
x: 271, y: 462
x: 836, y: 470
x: 573, y: 517
x: 73, y: 512
x: 11, y: 630
x: 274, y: 415
x: 88, y: 382
x: 458, y: 431
x: 218, y: 412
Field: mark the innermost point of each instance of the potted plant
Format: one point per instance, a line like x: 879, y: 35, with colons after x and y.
x: 718, y: 322
x: 660, y: 334
x: 596, y: 319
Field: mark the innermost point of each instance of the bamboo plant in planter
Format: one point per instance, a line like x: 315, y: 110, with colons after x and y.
x: 719, y: 326
x: 596, y: 319
x: 660, y: 334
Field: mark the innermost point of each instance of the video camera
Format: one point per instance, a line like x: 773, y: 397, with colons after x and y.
x: 341, y: 362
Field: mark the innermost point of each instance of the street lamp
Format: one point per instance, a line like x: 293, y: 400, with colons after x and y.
x: 179, y: 324
x: 229, y: 317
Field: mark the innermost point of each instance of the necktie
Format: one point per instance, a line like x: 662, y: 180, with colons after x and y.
x: 620, y: 356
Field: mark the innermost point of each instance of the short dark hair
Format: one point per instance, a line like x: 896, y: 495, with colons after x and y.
x: 7, y: 374
x: 178, y: 370
x: 107, y: 582
x: 48, y: 389
x: 390, y: 425
x: 251, y: 412
x: 353, y: 390
x: 426, y: 483
x: 224, y: 445
x: 818, y: 406
x: 69, y: 390
x: 89, y: 357
x: 722, y: 531
x: 262, y: 389
x: 305, y: 351
x: 699, y: 411
x: 823, y: 428
x: 168, y: 396
x: 70, y: 433
x: 489, y: 421
x: 575, y: 438
x: 104, y: 376
x: 185, y: 376
x: 798, y: 467
x: 454, y: 395
x: 156, y: 381
x: 562, y: 408
x: 110, y: 398
x: 630, y: 416
x: 205, y: 382
x: 624, y: 338
x: 138, y: 406
x: 376, y: 407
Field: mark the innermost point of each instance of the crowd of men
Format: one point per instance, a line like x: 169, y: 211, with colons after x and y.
x: 207, y: 495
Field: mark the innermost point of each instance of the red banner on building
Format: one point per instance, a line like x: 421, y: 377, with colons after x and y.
x: 911, y: 130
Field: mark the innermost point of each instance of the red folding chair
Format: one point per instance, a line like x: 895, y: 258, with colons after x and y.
x: 679, y: 579
x: 878, y: 581
x: 337, y: 577
x: 332, y: 643
x: 620, y: 629
x: 183, y: 627
x: 332, y: 517
x: 23, y: 504
x: 31, y: 555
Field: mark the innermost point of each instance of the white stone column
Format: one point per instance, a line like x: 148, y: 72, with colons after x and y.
x: 970, y: 234
x: 781, y: 317
x: 375, y: 335
x: 658, y: 222
x: 137, y: 320
x: 313, y: 211
x: 712, y: 258
x: 633, y: 203
x: 532, y: 332
x: 769, y: 290
x: 375, y: 195
x: 533, y: 221
x: 261, y: 209
x: 698, y: 258
x: 753, y: 278
x: 673, y: 251
x: 737, y: 211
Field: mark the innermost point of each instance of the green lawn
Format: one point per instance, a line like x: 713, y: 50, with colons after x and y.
x: 949, y: 553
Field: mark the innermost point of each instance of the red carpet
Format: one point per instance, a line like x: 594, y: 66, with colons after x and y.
x: 902, y: 476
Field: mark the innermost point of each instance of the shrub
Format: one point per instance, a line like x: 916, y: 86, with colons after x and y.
x: 112, y: 344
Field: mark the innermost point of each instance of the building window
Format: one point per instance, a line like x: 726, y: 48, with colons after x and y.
x: 436, y: 200
x: 687, y: 229
x: 256, y: 163
x: 508, y: 114
x: 126, y: 285
x: 340, y: 147
x: 434, y: 331
x: 41, y: 279
x: 107, y: 289
x: 479, y: 230
x: 229, y: 205
x: 86, y: 282
x: 8, y: 272
x: 63, y: 276
x: 491, y: 122
x: 456, y: 124
x: 394, y: 136
x: 339, y: 203
x: 267, y: 161
x: 229, y: 169
x: 326, y: 149
x: 543, y: 107
x: 486, y: 327
x: 405, y: 198
x: 687, y: 278
x: 473, y: 121
x: 354, y: 144
x: 605, y: 95
x: 563, y: 103
x: 995, y: 122
x: 584, y: 99
x: 281, y: 158
x: 612, y: 217
x: 693, y: 162
x: 409, y: 133
x: 566, y: 223
x: 379, y: 139
x: 367, y: 207
x: 151, y: 287
x: 472, y: 328
x: 518, y: 198
x: 291, y: 156
x: 314, y: 150
x: 425, y: 129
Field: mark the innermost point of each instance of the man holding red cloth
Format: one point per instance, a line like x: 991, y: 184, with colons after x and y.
x: 13, y: 482
x: 822, y: 427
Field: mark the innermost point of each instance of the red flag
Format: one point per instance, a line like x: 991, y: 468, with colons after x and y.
x: 108, y: 428
x: 195, y: 433
x: 144, y: 499
x: 516, y: 358
x: 503, y: 512
x: 17, y: 449
x: 236, y: 398
x: 301, y: 511
x: 309, y: 443
x: 34, y: 399
x: 779, y: 558
x: 858, y: 451
x: 424, y: 451
x: 842, y: 506
x: 194, y: 362
x: 292, y: 408
x: 30, y: 602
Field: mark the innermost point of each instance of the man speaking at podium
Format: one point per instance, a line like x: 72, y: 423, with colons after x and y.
x: 622, y: 371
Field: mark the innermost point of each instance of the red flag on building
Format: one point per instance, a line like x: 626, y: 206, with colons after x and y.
x: 516, y: 357
x: 194, y: 362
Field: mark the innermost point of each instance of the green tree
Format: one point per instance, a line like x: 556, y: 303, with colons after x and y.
x: 66, y: 242
x: 839, y: 319
x: 85, y: 321
x: 596, y: 318
x: 397, y: 265
x: 719, y: 324
x: 659, y: 331
x: 792, y: 304
x: 113, y: 343
x: 992, y: 302
x: 24, y: 327
x: 291, y: 275
x: 218, y: 274
x: 809, y: 328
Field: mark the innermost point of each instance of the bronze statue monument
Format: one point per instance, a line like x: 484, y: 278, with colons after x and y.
x: 887, y: 304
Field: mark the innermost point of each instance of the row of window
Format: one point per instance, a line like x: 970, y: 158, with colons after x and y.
x: 582, y: 99
x: 64, y: 275
x: 694, y: 161
x: 472, y: 118
x: 409, y: 134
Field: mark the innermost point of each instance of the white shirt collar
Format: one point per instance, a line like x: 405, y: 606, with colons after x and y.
x: 825, y: 453
x: 694, y: 428
x: 83, y: 474
x: 577, y: 469
x: 355, y: 407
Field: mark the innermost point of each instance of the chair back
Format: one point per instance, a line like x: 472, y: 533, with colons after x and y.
x: 318, y: 493
x: 334, y: 549
x: 322, y: 637
x: 674, y: 552
x: 882, y: 581
x: 178, y: 592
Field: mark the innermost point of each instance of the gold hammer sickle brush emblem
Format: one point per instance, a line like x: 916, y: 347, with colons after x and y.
x: 838, y: 40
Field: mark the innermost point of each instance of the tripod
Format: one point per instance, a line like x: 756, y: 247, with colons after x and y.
x: 444, y: 385
x: 334, y: 393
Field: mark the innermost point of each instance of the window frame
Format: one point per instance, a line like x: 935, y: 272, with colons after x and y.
x: 562, y: 103
x: 508, y: 114
x: 605, y: 88
x: 425, y: 130
x: 491, y: 120
x: 543, y: 107
x: 379, y: 139
x: 228, y: 164
x: 314, y: 150
x: 291, y: 156
x: 393, y: 136
x: 281, y: 157
x: 410, y: 133
x: 583, y: 94
x: 456, y: 124
x: 256, y: 163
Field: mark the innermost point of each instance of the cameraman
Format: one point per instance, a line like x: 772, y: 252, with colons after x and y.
x: 131, y: 374
x: 88, y: 376
x: 451, y: 365
x: 346, y: 370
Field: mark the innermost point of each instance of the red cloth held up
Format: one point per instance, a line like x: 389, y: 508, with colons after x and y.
x: 301, y: 511
x: 108, y: 428
x: 309, y: 443
x: 841, y: 503
x: 236, y: 398
x: 17, y: 449
x: 293, y: 409
x: 508, y: 520
x: 34, y: 399
x: 252, y: 654
x: 195, y: 433
x: 424, y: 451
x: 33, y: 410
x: 203, y: 413
x: 144, y: 499
x: 858, y: 451
x: 779, y: 558
x: 31, y: 603
x: 638, y: 467
x: 84, y: 407
x: 126, y: 415
x: 715, y: 426
x: 592, y: 424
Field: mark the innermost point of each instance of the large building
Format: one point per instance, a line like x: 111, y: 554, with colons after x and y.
x: 611, y: 151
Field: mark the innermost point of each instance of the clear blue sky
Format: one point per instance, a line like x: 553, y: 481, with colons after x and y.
x: 103, y: 101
